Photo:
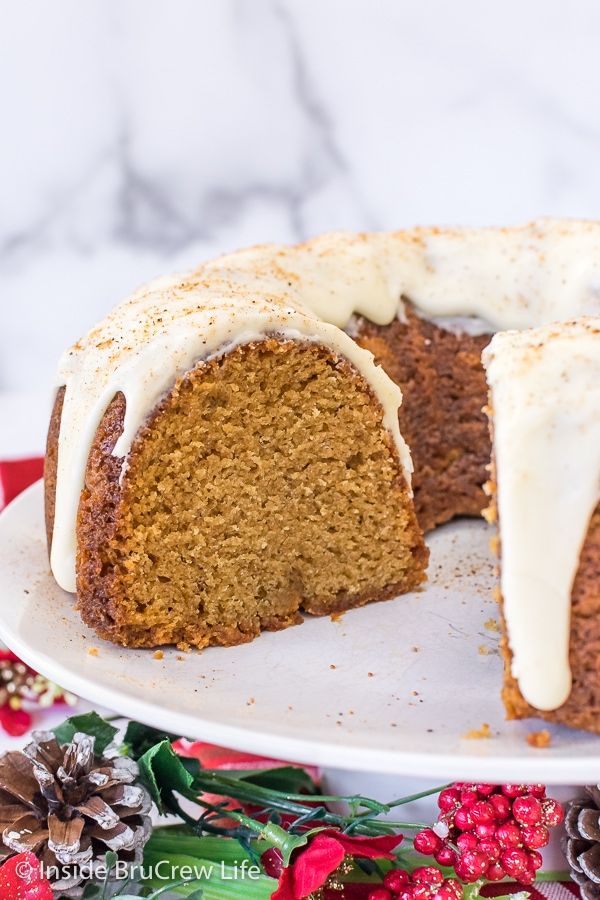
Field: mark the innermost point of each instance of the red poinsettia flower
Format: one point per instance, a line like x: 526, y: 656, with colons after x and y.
x: 21, y: 878
x: 312, y: 865
x: 213, y: 757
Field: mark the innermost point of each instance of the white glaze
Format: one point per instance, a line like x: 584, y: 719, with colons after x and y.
x: 504, y: 278
x: 545, y: 395
x: 524, y: 277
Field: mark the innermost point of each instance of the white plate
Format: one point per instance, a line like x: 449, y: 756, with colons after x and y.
x: 391, y: 688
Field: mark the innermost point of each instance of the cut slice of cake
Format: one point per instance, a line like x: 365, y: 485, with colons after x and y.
x: 268, y: 479
x: 545, y: 419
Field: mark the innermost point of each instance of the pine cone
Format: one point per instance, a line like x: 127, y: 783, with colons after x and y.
x: 582, y: 824
x: 69, y: 807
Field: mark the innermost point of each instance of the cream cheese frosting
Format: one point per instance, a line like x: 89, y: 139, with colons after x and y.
x: 477, y: 279
x: 522, y: 277
x: 545, y: 396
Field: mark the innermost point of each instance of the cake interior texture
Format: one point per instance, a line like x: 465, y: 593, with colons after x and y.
x: 444, y: 392
x: 264, y: 484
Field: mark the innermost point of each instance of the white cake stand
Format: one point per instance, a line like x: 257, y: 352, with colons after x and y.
x: 397, y: 687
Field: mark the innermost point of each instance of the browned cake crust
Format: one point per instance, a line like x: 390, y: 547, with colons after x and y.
x: 51, y: 463
x: 441, y: 417
x: 143, y: 578
x: 582, y: 709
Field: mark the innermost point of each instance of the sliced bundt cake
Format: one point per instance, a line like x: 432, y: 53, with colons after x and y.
x: 226, y: 449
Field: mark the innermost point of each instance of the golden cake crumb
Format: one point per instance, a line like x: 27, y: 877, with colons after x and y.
x: 93, y: 651
x: 539, y: 739
x: 232, y: 569
x: 479, y: 734
x: 483, y: 650
x: 492, y: 625
x: 158, y: 655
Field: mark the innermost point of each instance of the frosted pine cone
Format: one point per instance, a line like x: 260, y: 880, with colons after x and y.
x: 69, y: 807
x: 582, y: 824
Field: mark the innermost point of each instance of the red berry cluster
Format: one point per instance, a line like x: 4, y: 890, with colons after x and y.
x: 424, y: 883
x: 491, y: 831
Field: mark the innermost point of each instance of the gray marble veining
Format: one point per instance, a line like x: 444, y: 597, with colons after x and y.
x: 142, y: 136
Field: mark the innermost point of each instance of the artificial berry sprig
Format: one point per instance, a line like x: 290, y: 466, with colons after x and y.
x: 491, y: 831
x: 424, y: 883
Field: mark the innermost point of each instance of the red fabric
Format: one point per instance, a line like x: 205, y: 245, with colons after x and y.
x: 21, y: 879
x: 541, y: 890
x: 18, y: 474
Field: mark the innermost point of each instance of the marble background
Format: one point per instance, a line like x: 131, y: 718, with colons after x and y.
x: 140, y: 136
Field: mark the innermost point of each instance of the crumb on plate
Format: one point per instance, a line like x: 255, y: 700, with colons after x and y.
x: 479, y: 734
x: 539, y: 739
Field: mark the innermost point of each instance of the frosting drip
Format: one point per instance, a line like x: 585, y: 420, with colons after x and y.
x: 488, y: 279
x: 545, y: 395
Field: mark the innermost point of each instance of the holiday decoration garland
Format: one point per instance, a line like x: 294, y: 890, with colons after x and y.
x: 75, y: 809
x: 22, y: 691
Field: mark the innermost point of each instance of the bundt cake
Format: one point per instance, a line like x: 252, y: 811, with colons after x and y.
x: 229, y: 447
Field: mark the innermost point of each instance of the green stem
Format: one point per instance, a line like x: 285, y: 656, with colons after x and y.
x: 289, y: 803
x: 557, y: 875
x: 402, y: 800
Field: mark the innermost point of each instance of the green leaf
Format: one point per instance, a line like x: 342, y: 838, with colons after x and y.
x: 285, y: 842
x: 286, y: 779
x: 88, y: 723
x: 141, y: 738
x: 216, y: 882
x: 170, y: 840
x: 162, y: 772
x: 91, y: 892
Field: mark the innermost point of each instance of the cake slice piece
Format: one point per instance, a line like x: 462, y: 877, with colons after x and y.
x: 216, y: 467
x: 545, y: 419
